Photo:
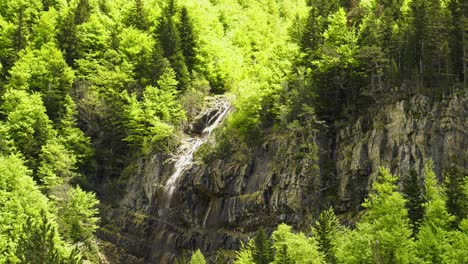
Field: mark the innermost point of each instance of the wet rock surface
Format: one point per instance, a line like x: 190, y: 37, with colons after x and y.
x: 221, y: 203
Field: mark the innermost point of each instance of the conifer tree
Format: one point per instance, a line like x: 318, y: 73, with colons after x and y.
x: 40, y: 244
x: 413, y: 193
x: 454, y: 185
x: 326, y: 230
x: 433, y: 240
x: 197, y: 258
x: 187, y: 38
x: 380, y: 237
x: 169, y: 40
x: 262, y: 249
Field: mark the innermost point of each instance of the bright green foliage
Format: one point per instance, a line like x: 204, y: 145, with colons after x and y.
x: 55, y: 163
x: 300, y: 248
x: 78, y: 214
x: 44, y: 71
x: 26, y: 230
x: 136, y: 48
x: 40, y: 244
x: 46, y: 29
x: 27, y: 123
x: 143, y: 127
x: 262, y: 248
x: 169, y: 38
x: 7, y: 53
x: 458, y: 252
x: 162, y: 101
x: 326, y: 230
x: 136, y: 15
x: 197, y: 258
x: 282, y: 256
x: 71, y: 136
x: 147, y: 122
x: 435, y: 230
x: 94, y: 38
x: 245, y: 254
x: 6, y: 144
x: 381, y: 237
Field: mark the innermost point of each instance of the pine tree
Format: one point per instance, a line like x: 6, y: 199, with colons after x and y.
x: 433, y: 240
x: 197, y: 258
x: 67, y: 37
x: 380, y: 236
x: 82, y: 12
x: 326, y: 230
x: 282, y: 256
x: 187, y: 38
x: 412, y: 191
x: 312, y: 38
x: 137, y: 16
x: 169, y: 40
x: 454, y: 185
x: 262, y: 250
x: 39, y: 244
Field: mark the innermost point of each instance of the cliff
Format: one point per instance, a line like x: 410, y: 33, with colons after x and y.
x: 222, y: 199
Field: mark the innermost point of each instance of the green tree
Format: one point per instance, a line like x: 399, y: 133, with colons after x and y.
x: 326, y: 230
x: 312, y: 37
x: 70, y: 136
x: 137, y: 16
x: 162, y: 101
x: 56, y: 163
x: 27, y: 230
x: 79, y: 215
x: 136, y: 48
x: 187, y: 38
x: 433, y: 240
x: 413, y: 193
x: 245, y: 254
x: 459, y: 244
x: 40, y: 244
x: 282, y: 256
x: 45, y: 30
x: 44, y: 71
x: 197, y: 258
x: 262, y: 248
x: 454, y: 184
x: 27, y: 124
x: 170, y: 42
x: 300, y: 248
x: 380, y: 237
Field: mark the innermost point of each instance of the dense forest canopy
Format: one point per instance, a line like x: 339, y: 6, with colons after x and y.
x: 87, y: 86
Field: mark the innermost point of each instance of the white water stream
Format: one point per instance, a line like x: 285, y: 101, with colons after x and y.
x: 190, y: 144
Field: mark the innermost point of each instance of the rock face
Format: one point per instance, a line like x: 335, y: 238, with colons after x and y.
x: 288, y: 178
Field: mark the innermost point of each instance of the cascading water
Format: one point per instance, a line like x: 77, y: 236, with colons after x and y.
x: 190, y: 144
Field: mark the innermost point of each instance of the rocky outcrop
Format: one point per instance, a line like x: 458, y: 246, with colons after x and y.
x: 400, y: 136
x: 288, y: 178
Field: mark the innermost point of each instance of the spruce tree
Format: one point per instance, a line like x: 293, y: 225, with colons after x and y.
x: 39, y: 244
x: 169, y: 40
x: 433, y: 240
x: 326, y: 230
x: 187, y: 38
x: 262, y: 250
x: 413, y: 193
x: 454, y: 185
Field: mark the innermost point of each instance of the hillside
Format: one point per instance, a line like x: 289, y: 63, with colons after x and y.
x: 267, y: 131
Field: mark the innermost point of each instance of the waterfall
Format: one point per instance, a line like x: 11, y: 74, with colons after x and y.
x: 190, y: 144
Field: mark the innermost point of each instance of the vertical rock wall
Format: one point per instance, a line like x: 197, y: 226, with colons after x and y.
x: 221, y: 203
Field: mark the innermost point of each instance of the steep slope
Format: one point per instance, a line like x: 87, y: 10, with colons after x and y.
x: 223, y: 199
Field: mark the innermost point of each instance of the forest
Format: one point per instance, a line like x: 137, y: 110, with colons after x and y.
x: 89, y: 86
